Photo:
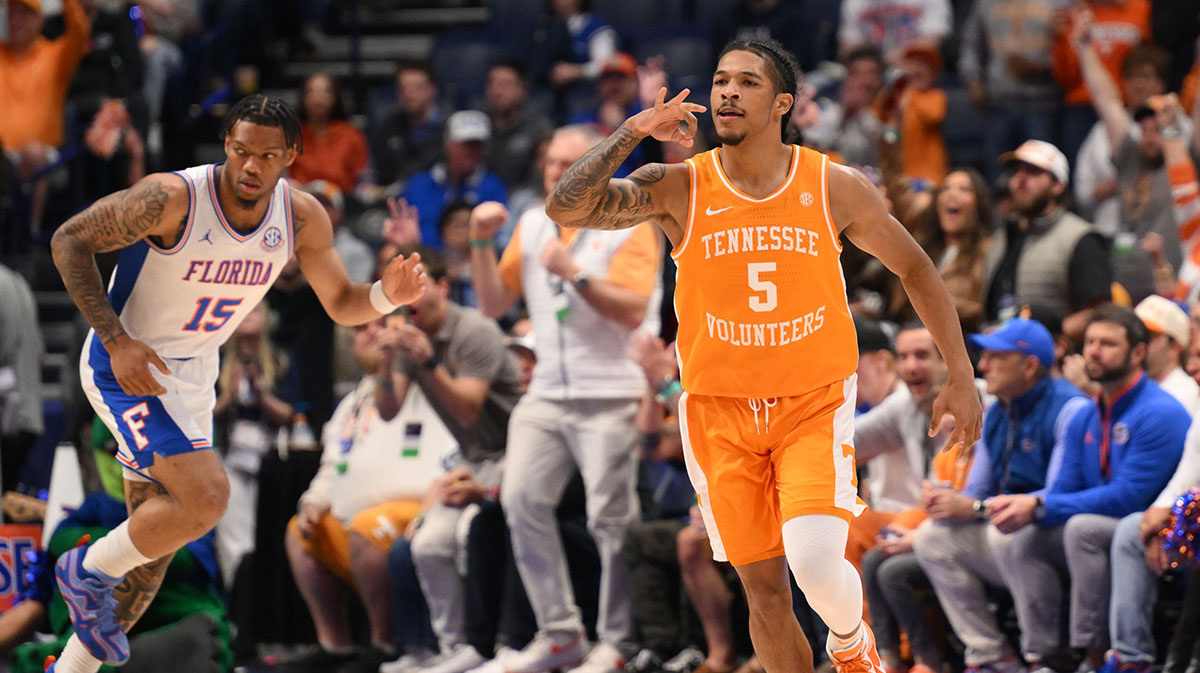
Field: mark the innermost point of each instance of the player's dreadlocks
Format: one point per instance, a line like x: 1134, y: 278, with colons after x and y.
x: 266, y: 111
x: 785, y: 71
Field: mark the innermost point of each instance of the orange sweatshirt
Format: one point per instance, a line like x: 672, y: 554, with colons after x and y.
x: 1116, y: 30
x: 34, y: 83
x: 921, y: 145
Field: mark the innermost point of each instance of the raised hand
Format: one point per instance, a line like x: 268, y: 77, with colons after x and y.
x: 404, y: 279
x: 669, y: 120
x: 131, y: 360
x: 487, y: 218
x: 403, y: 226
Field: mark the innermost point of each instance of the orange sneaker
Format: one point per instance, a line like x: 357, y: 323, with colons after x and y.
x: 858, y: 658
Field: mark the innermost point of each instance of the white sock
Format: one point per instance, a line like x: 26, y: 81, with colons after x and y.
x: 838, y: 644
x: 76, y: 659
x: 114, y: 554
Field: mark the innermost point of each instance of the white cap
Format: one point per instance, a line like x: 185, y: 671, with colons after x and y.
x: 1163, y: 316
x: 468, y: 125
x: 1043, y: 155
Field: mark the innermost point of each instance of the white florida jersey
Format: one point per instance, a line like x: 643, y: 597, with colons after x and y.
x: 187, y: 300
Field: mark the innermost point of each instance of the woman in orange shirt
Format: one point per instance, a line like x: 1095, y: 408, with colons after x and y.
x: 334, y: 149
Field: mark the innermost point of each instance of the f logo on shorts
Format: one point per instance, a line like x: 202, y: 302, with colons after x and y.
x: 133, y: 418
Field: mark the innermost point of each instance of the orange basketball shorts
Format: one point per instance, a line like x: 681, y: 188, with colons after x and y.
x: 380, y: 525
x: 757, y: 463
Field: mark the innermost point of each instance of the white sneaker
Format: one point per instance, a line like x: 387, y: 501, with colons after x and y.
x: 686, y: 661
x: 603, y: 658
x: 410, y: 661
x: 496, y: 664
x: 547, y: 653
x: 459, y: 660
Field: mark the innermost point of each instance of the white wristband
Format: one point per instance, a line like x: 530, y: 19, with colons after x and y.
x: 379, y: 300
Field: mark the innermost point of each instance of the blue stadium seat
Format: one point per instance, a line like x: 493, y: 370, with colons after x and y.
x: 686, y: 56
x: 461, y: 60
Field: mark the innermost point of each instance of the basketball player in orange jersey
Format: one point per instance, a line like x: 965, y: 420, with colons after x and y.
x: 766, y: 342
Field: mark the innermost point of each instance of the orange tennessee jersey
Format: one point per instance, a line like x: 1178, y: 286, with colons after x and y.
x: 759, y: 292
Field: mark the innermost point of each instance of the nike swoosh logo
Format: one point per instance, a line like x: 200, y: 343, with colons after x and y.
x: 709, y: 210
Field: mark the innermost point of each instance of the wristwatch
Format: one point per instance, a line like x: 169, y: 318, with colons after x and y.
x: 980, y: 509
x: 1039, y: 510
x: 432, y: 363
x: 581, y: 279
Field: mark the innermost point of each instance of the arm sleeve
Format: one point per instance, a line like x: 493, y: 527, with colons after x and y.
x: 509, y: 265
x: 878, y: 431
x: 1093, y: 164
x: 980, y: 484
x: 1185, y: 195
x: 635, y: 264
x: 481, y: 352
x: 1061, y: 425
x: 1070, y: 471
x: 1090, y: 273
x: 75, y: 39
x: 1187, y: 475
x: 1153, y: 451
x: 600, y: 48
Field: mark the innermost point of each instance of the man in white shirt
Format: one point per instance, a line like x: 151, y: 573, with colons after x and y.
x: 1170, y: 334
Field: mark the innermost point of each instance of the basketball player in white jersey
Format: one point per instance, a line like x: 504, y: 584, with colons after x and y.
x: 199, y: 249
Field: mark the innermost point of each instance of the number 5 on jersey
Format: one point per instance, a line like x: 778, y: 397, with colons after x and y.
x: 222, y: 311
x: 769, y: 298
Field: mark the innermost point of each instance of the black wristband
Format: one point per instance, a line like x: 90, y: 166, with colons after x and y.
x: 432, y: 363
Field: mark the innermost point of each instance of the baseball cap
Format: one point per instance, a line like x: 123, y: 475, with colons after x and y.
x: 1020, y: 335
x: 326, y: 192
x: 523, y: 342
x: 1163, y: 316
x: 35, y: 5
x: 620, y: 63
x: 1041, y: 154
x: 468, y: 125
x: 925, y: 53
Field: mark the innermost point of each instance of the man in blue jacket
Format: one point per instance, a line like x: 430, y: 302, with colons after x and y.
x: 1024, y: 433
x: 1120, y: 453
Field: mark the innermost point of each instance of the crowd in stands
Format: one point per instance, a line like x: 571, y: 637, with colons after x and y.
x: 501, y: 483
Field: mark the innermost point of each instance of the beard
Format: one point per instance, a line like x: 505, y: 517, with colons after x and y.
x: 1101, y: 374
x: 731, y: 139
x: 1035, y: 207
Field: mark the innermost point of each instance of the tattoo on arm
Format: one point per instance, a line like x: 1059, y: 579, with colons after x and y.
x: 138, y: 588
x: 588, y: 199
x: 111, y: 223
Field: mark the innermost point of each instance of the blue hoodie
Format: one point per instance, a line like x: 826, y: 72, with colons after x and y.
x: 1145, y: 429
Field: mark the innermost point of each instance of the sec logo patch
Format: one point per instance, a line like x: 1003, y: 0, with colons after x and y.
x: 272, y: 239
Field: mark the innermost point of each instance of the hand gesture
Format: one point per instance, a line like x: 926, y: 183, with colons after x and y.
x: 1167, y: 110
x: 404, y: 279
x: 411, y: 340
x: 131, y: 360
x: 656, y: 358
x: 959, y: 400
x: 487, y: 218
x: 403, y: 226
x: 557, y: 259
x: 1010, y: 513
x: 460, y: 489
x: 669, y: 120
x: 308, y: 518
x: 1081, y: 21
